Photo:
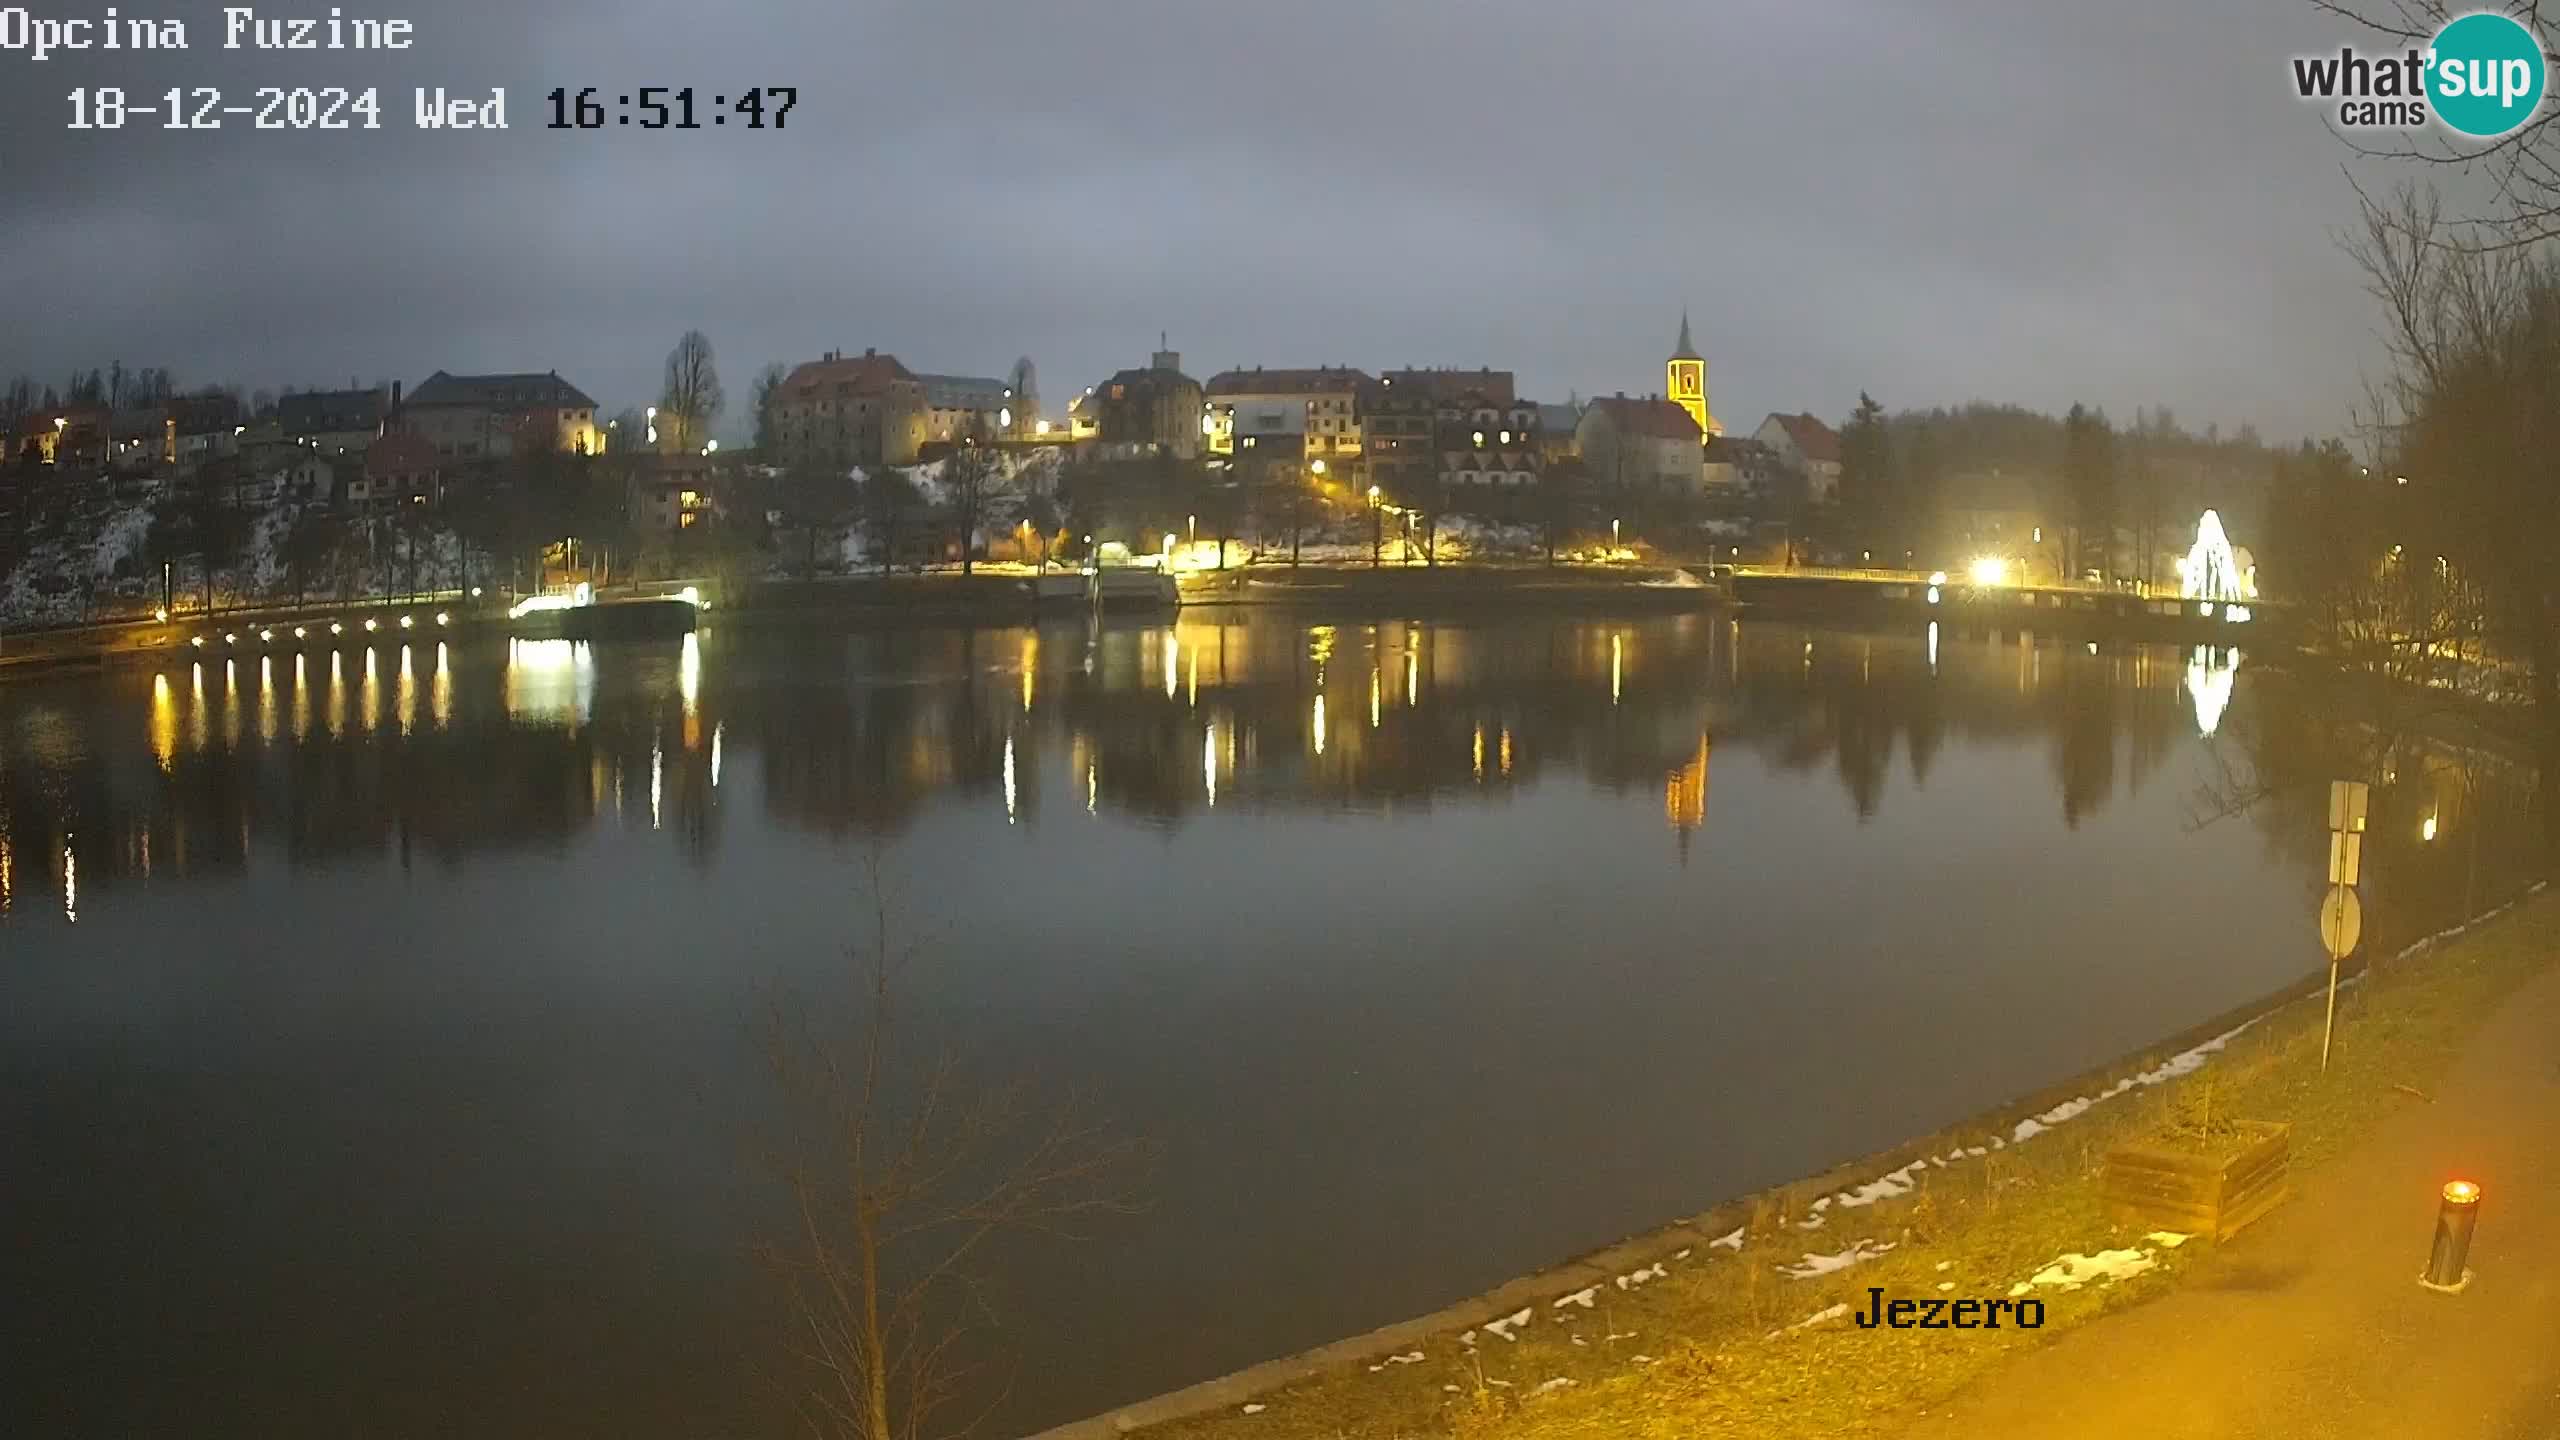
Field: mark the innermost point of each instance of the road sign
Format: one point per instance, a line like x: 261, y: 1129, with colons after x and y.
x: 2341, y: 921
x: 2346, y: 856
x: 2346, y: 806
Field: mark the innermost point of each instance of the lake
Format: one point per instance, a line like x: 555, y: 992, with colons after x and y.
x: 384, y: 1038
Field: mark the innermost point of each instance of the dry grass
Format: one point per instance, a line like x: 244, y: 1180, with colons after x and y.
x: 1694, y: 1355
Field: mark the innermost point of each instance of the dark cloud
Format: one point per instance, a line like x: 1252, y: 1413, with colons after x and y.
x: 1986, y: 198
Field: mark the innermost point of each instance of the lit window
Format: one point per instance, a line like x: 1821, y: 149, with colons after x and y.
x: 1479, y: 439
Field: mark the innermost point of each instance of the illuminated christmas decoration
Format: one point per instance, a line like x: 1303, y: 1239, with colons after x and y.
x: 2211, y: 572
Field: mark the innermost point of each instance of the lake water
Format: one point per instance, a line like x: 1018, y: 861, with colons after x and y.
x: 382, y: 1033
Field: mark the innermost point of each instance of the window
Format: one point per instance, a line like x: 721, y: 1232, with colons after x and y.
x: 1479, y: 439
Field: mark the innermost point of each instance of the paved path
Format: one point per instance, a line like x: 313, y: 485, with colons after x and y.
x: 2311, y: 1324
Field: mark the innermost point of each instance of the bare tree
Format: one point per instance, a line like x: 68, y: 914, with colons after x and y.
x: 2522, y: 166
x: 977, y: 487
x: 690, y: 402
x: 899, y: 1175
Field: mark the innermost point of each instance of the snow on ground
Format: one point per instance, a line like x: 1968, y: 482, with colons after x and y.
x: 1858, y: 1252
x: 2070, y: 1272
x: 1503, y: 1327
x: 1832, y: 1312
x: 1583, y: 1297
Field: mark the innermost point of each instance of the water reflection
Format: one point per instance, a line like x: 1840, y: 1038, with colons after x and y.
x: 532, y: 741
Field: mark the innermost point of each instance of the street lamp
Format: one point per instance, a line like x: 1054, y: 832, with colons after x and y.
x: 1613, y: 536
x: 1377, y: 528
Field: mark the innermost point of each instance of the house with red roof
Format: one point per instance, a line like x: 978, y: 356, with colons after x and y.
x: 1647, y: 443
x: 1803, y: 443
x: 844, y: 409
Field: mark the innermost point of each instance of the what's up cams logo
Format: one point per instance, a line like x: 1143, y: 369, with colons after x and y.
x: 2482, y: 77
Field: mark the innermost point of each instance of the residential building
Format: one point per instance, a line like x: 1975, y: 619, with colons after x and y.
x: 400, y: 468
x: 960, y: 406
x: 1737, y: 465
x: 1805, y: 444
x: 850, y: 410
x: 208, y: 426
x: 493, y: 417
x: 667, y: 493
x: 1449, y: 429
x: 1559, y: 429
x: 1326, y: 400
x: 1154, y: 411
x: 333, y: 421
x: 1649, y: 444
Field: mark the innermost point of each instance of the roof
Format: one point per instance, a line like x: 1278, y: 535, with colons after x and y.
x: 1813, y: 439
x: 199, y: 414
x: 1323, y: 380
x: 1735, y: 450
x: 318, y: 410
x: 399, y: 453
x: 500, y: 392
x: 1559, y: 419
x: 1144, y: 376
x: 1688, y: 348
x: 950, y: 392
x: 1494, y: 385
x: 865, y: 374
x: 1661, y: 419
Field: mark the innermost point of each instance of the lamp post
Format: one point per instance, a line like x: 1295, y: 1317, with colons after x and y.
x: 1377, y: 528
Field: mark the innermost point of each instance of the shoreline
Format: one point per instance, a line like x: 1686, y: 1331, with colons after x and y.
x: 943, y: 597
x: 1882, y: 1175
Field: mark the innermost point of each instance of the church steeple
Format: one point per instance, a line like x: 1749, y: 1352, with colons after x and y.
x: 1685, y: 380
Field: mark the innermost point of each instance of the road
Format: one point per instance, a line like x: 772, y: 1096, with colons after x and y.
x: 2312, y: 1324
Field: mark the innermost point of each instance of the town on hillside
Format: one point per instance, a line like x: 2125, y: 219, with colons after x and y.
x: 125, y: 493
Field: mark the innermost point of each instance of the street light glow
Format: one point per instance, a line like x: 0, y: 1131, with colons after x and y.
x: 1989, y: 570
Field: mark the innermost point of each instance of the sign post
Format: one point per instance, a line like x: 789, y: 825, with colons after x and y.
x: 2341, y: 912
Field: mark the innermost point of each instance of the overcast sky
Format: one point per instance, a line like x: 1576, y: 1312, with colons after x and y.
x: 1935, y: 200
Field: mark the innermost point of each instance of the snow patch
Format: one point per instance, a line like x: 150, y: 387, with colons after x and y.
x: 1817, y: 1317
x: 1731, y: 1240
x: 2070, y: 1272
x: 1582, y: 1297
x: 1857, y: 1253
x: 1501, y: 1329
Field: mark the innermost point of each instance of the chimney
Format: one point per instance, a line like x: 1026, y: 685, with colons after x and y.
x: 395, y: 397
x: 869, y: 354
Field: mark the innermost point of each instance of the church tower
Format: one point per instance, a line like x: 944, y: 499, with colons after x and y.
x: 1685, y: 381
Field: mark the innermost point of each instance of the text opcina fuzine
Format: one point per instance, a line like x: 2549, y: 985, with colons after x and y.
x: 243, y: 28
x: 1943, y: 1314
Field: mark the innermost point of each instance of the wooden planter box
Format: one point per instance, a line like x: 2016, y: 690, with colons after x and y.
x: 2169, y: 1189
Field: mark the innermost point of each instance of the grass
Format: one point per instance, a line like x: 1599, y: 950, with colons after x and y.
x: 1694, y: 1354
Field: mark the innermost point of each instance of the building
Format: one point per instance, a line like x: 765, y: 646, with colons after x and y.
x: 960, y: 406
x: 1804, y: 443
x: 1735, y: 465
x: 399, y: 468
x: 1559, y: 427
x: 1685, y: 381
x: 492, y: 417
x: 207, y: 426
x: 1154, y: 411
x: 1326, y: 401
x: 1433, y: 431
x: 850, y: 410
x: 1647, y: 444
x: 667, y: 493
x: 333, y: 421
